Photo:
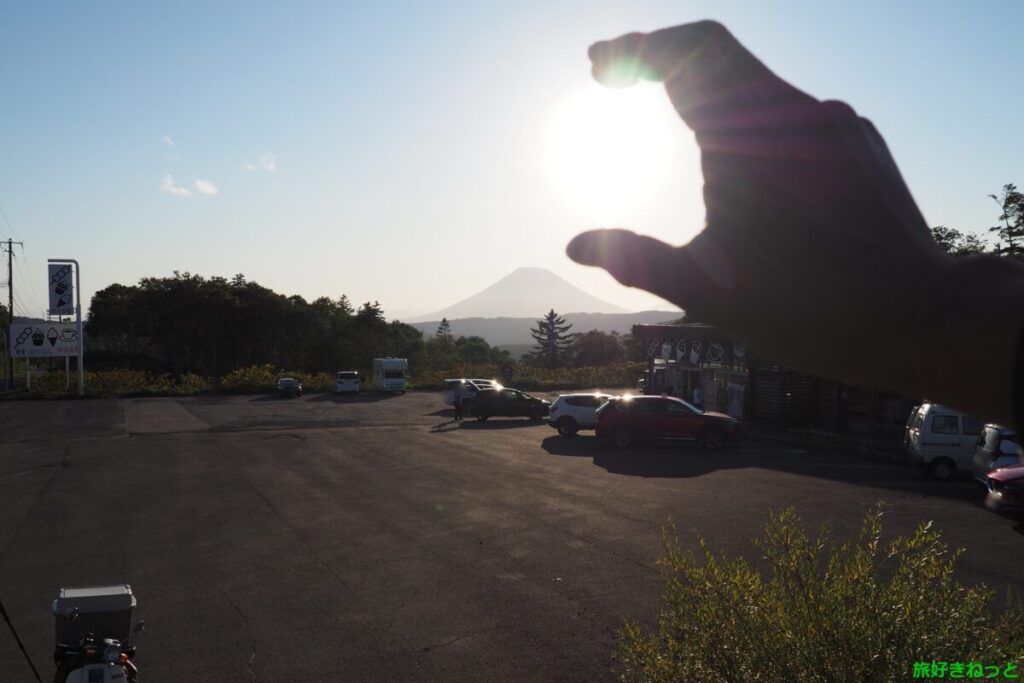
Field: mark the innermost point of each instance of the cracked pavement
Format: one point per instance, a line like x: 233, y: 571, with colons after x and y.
x: 370, y: 539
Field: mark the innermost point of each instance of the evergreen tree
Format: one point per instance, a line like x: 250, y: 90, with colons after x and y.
x: 1011, y: 231
x: 444, y: 331
x: 553, y: 340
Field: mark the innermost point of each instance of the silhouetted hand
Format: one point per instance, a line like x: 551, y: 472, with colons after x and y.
x: 814, y: 253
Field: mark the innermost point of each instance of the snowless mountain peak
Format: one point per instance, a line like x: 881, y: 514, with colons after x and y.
x: 525, y: 292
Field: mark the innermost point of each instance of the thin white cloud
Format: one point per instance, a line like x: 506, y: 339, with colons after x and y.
x: 206, y: 187
x: 167, y: 185
x: 168, y: 141
x: 267, y: 162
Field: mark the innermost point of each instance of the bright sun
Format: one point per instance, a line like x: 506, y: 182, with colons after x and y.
x: 609, y: 150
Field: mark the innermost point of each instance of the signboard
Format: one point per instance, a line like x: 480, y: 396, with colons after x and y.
x: 62, y: 289
x: 44, y: 339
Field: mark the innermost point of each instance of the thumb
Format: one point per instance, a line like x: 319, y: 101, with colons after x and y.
x: 637, y: 261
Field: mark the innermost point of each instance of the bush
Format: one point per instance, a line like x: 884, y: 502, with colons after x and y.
x: 823, y: 612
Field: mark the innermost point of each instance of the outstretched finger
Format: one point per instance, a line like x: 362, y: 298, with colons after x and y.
x: 707, y: 72
x: 673, y: 273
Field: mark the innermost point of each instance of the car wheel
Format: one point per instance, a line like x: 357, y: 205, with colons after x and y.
x: 568, y: 427
x: 942, y: 469
x: 623, y: 437
x: 482, y: 417
x: 538, y: 415
x: 713, y: 439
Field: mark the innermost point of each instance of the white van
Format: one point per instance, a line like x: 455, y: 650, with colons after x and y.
x: 346, y: 382
x: 390, y: 374
x: 942, y: 439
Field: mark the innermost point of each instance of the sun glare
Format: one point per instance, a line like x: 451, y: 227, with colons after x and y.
x: 609, y: 150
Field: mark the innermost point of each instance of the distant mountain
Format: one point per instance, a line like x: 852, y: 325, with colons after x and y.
x: 516, y: 331
x: 526, y: 292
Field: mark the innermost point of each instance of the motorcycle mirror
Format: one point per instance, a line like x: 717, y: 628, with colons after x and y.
x: 136, y: 630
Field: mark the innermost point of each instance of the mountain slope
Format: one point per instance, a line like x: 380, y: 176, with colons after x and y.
x: 526, y: 292
x: 515, y: 331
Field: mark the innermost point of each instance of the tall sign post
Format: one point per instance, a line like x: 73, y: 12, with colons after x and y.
x: 64, y: 298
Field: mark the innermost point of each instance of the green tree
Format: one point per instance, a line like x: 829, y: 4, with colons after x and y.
x: 957, y: 243
x: 596, y: 348
x: 444, y: 330
x: 476, y: 350
x: 1011, y: 228
x: 552, y: 340
x: 188, y: 323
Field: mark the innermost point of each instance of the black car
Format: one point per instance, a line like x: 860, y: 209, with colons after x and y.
x: 289, y: 387
x: 502, y: 402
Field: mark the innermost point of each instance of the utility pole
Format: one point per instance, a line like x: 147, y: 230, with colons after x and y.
x: 10, y: 308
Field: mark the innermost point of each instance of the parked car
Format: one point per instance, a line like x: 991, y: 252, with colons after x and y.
x: 347, y: 382
x: 630, y: 419
x: 1005, y: 489
x: 572, y: 412
x: 502, y: 402
x: 469, y: 389
x: 289, y: 387
x: 996, y: 447
x: 942, y: 439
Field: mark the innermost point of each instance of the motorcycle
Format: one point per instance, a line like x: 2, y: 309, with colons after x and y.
x: 90, y: 628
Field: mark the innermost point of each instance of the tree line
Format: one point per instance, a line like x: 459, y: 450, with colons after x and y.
x: 1008, y: 230
x: 211, y: 326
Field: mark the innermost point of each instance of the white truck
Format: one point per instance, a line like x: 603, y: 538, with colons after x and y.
x: 389, y: 374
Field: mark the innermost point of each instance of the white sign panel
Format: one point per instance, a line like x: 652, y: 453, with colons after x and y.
x: 62, y: 289
x: 47, y: 339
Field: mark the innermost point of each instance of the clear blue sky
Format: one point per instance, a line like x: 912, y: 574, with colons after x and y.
x: 396, y: 151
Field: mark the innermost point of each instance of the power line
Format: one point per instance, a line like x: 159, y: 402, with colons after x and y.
x: 36, y: 304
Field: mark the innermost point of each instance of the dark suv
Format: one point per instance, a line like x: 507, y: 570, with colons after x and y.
x: 630, y: 419
x: 502, y: 402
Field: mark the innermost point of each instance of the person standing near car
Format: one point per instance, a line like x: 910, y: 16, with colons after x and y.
x: 457, y: 394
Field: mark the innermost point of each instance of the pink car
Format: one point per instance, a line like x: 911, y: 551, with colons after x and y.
x: 1005, y: 489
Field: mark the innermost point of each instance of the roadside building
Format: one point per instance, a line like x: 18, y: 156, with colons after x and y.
x: 731, y: 379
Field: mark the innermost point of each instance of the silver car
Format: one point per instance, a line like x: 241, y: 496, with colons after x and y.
x: 997, y: 447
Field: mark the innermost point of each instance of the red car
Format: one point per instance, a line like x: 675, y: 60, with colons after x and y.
x: 1005, y: 489
x: 629, y: 419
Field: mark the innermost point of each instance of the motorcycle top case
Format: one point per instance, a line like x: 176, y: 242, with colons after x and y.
x: 104, y: 611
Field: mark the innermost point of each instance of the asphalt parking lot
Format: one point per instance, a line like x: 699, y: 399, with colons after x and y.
x: 372, y: 539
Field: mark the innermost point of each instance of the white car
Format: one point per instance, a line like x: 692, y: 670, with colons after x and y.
x: 469, y: 389
x: 347, y: 382
x: 573, y: 412
x: 942, y: 439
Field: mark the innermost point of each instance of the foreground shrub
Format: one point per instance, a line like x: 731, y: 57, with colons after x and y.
x: 536, y: 378
x: 821, y: 611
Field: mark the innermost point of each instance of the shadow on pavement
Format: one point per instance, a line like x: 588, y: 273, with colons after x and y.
x: 507, y: 423
x: 263, y: 398
x: 683, y: 461
x: 361, y: 397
